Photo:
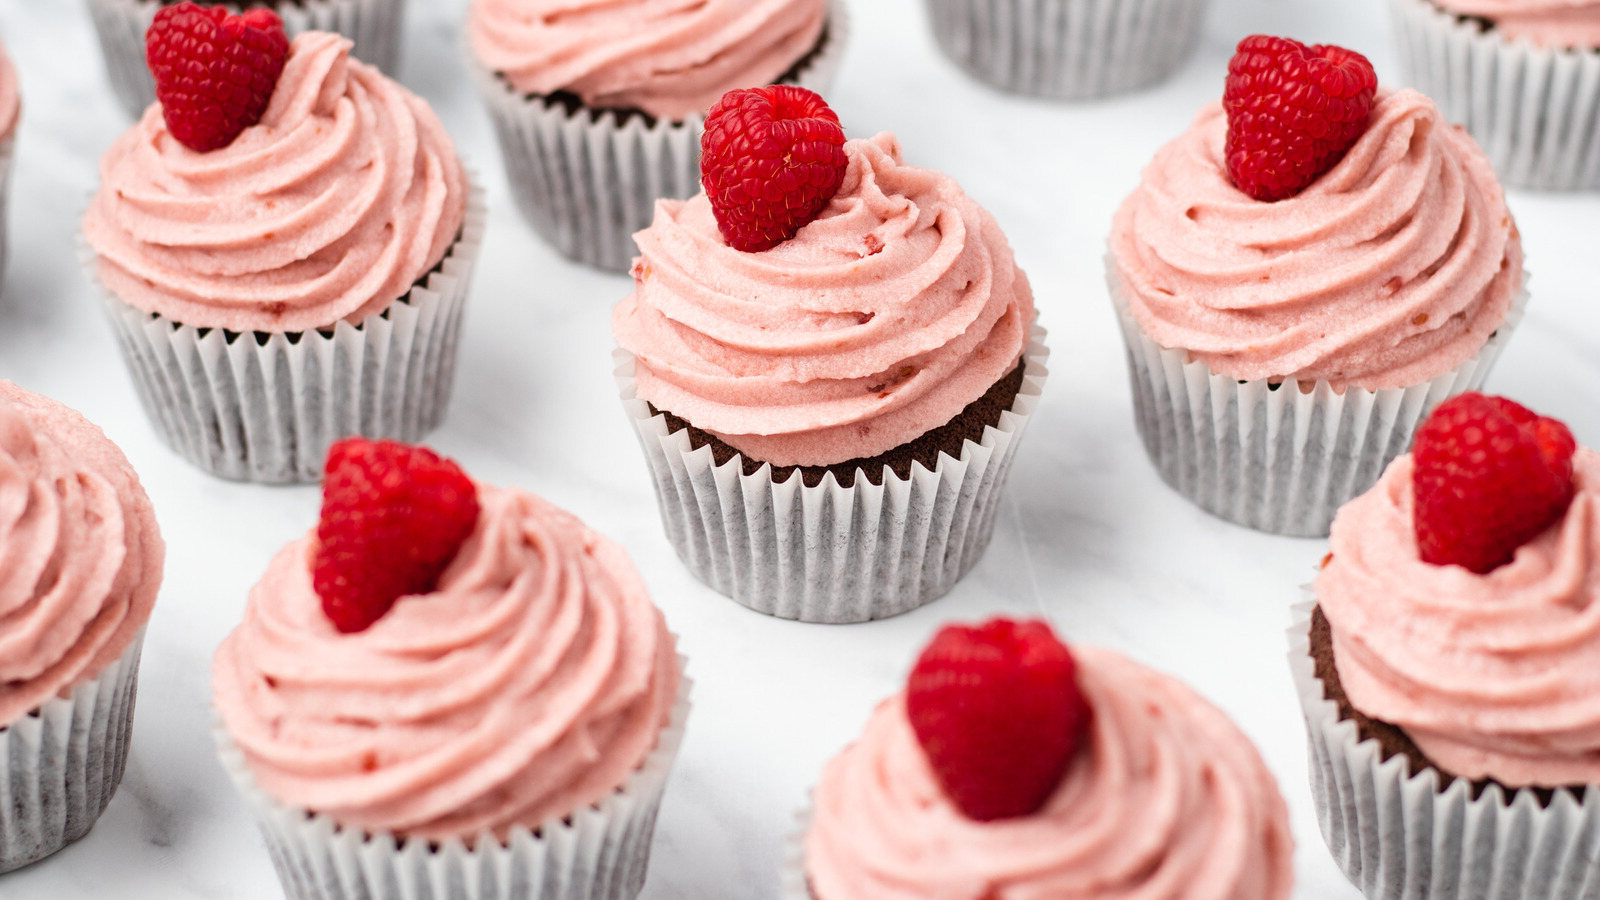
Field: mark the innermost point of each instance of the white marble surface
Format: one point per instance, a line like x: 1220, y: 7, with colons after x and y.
x: 1089, y: 535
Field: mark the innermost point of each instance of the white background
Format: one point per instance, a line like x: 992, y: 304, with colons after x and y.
x: 1089, y: 535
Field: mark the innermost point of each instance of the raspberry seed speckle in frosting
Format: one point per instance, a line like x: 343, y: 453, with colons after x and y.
x: 1490, y: 475
x: 393, y: 517
x: 998, y: 711
x: 215, y: 71
x: 1293, y: 112
x: 770, y: 160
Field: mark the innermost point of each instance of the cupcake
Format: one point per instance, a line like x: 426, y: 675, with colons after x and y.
x: 292, y: 279
x: 828, y: 421
x: 10, y: 112
x: 1298, y: 285
x: 449, y: 683
x: 599, y: 107
x: 1523, y: 76
x: 1013, y: 767
x: 1068, y: 49
x: 374, y: 25
x: 82, y: 567
x: 1447, y: 666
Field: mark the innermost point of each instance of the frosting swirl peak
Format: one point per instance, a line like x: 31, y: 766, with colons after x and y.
x: 331, y: 207
x: 80, y: 554
x: 1492, y: 676
x: 1166, y: 800
x: 879, y: 321
x: 533, y: 681
x: 669, y: 58
x: 1392, y: 268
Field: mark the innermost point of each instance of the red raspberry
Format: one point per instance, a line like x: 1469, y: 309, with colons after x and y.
x: 215, y: 72
x: 1490, y: 475
x: 770, y: 159
x: 1293, y: 112
x: 393, y: 517
x: 998, y: 712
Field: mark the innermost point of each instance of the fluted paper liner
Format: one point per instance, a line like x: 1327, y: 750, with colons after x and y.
x: 586, y: 181
x: 1068, y: 49
x: 828, y: 553
x: 1280, y: 460
x: 265, y: 408
x: 1397, y: 836
x: 600, y: 852
x: 1534, y: 110
x: 375, y: 25
x: 63, y: 762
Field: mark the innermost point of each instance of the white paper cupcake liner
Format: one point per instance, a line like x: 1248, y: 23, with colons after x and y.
x: 1534, y: 110
x: 1397, y: 836
x: 63, y: 762
x: 375, y: 25
x: 1067, y: 49
x: 265, y: 408
x: 792, y: 881
x: 828, y: 553
x: 600, y: 852
x: 586, y: 181
x: 1279, y: 460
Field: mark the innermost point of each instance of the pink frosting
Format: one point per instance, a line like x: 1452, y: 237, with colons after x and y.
x: 343, y: 196
x: 1394, y: 267
x: 879, y: 321
x: 80, y: 554
x: 532, y: 682
x: 10, y: 96
x: 670, y: 58
x: 1166, y: 800
x: 1493, y: 676
x: 1547, y: 23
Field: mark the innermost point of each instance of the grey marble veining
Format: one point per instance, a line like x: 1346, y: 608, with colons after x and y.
x: 1095, y: 540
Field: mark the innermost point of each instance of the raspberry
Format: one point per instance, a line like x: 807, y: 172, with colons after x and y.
x: 215, y: 71
x: 1293, y: 112
x: 1489, y: 476
x: 770, y: 159
x: 393, y: 517
x: 998, y: 712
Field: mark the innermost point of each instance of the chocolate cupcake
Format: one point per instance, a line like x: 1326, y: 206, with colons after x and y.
x: 1447, y: 664
x: 304, y: 282
x: 829, y: 422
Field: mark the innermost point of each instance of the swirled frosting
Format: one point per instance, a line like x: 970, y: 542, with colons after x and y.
x: 1492, y: 676
x: 1392, y: 268
x: 80, y: 554
x: 343, y: 196
x: 10, y: 96
x: 669, y: 58
x: 1166, y: 800
x: 1547, y: 23
x: 533, y: 681
x: 879, y: 321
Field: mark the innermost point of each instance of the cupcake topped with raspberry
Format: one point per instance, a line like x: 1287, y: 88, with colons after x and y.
x: 277, y: 186
x: 823, y: 305
x: 1455, y: 615
x: 1313, y: 226
x: 1014, y: 766
x: 442, y: 659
